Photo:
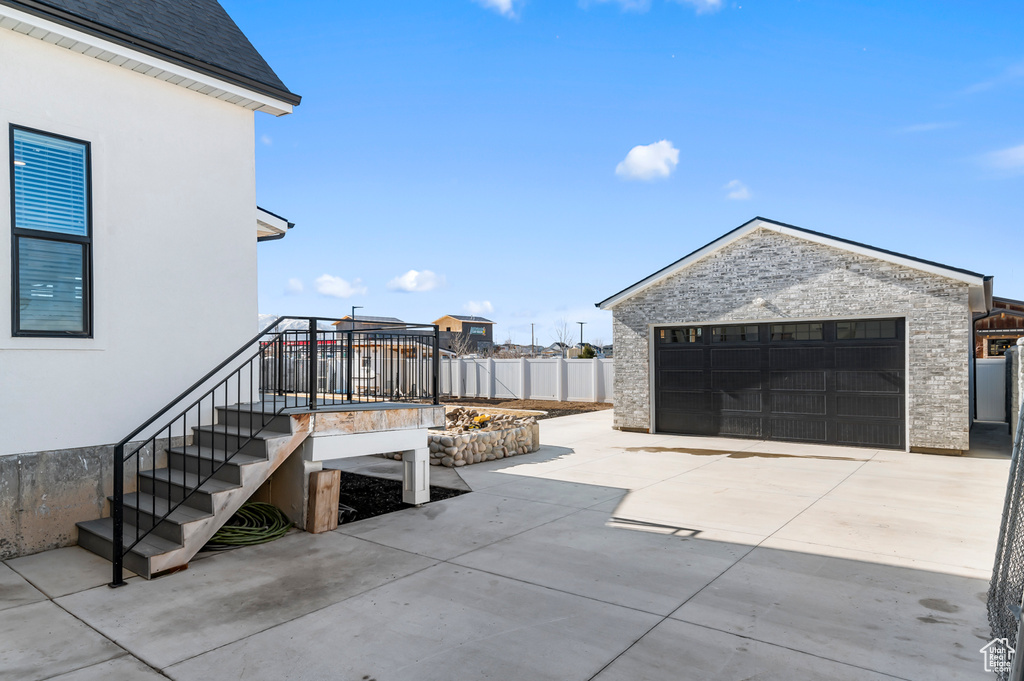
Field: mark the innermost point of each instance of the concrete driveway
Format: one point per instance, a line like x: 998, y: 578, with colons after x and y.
x: 605, y: 555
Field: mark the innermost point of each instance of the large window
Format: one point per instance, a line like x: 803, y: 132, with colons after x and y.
x: 51, y: 234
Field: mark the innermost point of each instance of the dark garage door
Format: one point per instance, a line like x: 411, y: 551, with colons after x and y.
x: 830, y: 382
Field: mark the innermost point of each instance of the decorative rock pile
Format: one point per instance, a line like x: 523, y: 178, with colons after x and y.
x: 472, y: 437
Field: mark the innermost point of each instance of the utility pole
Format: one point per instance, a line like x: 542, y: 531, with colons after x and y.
x: 532, y: 346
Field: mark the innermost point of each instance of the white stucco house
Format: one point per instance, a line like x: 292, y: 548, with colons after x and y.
x: 129, y: 192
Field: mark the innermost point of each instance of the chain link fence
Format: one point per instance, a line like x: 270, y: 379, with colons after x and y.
x: 1007, y: 586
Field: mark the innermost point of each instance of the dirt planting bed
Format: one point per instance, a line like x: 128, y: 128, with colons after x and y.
x: 551, y: 408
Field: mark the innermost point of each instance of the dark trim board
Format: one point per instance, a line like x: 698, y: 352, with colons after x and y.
x: 821, y: 390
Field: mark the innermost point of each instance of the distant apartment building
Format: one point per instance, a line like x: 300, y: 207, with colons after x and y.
x: 464, y: 334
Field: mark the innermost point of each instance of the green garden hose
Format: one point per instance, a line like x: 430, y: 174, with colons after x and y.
x: 254, y: 523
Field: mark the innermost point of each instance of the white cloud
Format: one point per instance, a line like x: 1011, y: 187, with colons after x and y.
x: 737, y: 191
x: 649, y: 161
x: 506, y: 8
x: 1006, y: 159
x: 337, y: 287
x: 266, y: 139
x: 294, y: 286
x: 478, y: 307
x: 926, y: 127
x: 416, y: 281
x: 703, y: 6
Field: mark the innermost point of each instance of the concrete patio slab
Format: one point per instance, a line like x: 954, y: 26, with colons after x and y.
x: 947, y: 538
x: 582, y: 554
x: 875, y: 558
x: 651, y: 465
x: 450, y: 527
x: 705, y: 506
x: 238, y: 593
x: 912, y: 624
x: 797, y: 476
x: 447, y: 622
x: 801, y: 449
x: 678, y: 651
x: 65, y: 571
x: 126, y: 668
x: 577, y: 495
x: 15, y: 590
x: 40, y: 640
x: 796, y: 563
x: 874, y: 486
x: 599, y: 478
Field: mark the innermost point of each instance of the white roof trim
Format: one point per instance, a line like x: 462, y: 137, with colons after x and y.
x: 125, y: 57
x: 977, y: 298
x: 268, y: 224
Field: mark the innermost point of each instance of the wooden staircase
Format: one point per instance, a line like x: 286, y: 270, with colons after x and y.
x: 247, y: 454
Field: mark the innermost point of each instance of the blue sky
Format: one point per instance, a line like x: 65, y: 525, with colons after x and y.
x: 491, y: 144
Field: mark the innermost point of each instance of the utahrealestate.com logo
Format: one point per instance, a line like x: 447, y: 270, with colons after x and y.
x: 998, y: 655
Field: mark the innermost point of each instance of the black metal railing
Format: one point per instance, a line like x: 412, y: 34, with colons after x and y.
x: 280, y: 369
x: 1006, y: 588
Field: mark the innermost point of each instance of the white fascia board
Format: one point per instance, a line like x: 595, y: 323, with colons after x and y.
x: 125, y: 57
x: 268, y: 224
x: 975, y: 282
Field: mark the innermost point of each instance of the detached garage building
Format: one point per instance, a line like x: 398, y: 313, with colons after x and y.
x: 777, y: 332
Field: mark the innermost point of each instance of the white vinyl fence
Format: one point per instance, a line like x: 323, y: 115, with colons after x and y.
x: 560, y: 380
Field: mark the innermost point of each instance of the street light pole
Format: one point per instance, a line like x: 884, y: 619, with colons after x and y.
x: 581, y: 335
x: 353, y: 315
x: 532, y: 346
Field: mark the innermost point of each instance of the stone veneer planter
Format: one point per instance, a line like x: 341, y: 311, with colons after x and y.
x: 459, y: 449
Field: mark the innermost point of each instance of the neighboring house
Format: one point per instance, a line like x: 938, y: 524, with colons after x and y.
x: 773, y: 331
x: 131, y: 197
x: 466, y: 333
x: 556, y: 349
x: 999, y: 329
x: 360, y: 322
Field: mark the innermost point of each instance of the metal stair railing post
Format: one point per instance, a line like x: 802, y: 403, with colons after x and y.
x: 348, y: 368
x: 436, y: 365
x: 118, y: 519
x: 313, y: 368
x: 279, y: 354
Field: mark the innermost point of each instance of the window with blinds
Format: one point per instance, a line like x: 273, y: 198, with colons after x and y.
x: 52, y: 234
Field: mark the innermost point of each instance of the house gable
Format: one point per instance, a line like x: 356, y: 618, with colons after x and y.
x: 194, y: 45
x: 980, y: 292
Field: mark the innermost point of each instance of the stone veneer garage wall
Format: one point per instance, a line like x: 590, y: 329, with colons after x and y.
x: 800, y: 279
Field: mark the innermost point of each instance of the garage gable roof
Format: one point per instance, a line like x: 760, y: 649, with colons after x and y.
x: 972, y: 278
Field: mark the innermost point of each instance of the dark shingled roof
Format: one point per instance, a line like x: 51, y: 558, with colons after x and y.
x: 196, y: 33
x: 466, y: 318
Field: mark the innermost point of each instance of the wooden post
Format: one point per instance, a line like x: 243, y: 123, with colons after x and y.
x: 324, y: 493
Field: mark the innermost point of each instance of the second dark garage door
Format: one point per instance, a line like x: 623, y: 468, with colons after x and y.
x: 829, y: 382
